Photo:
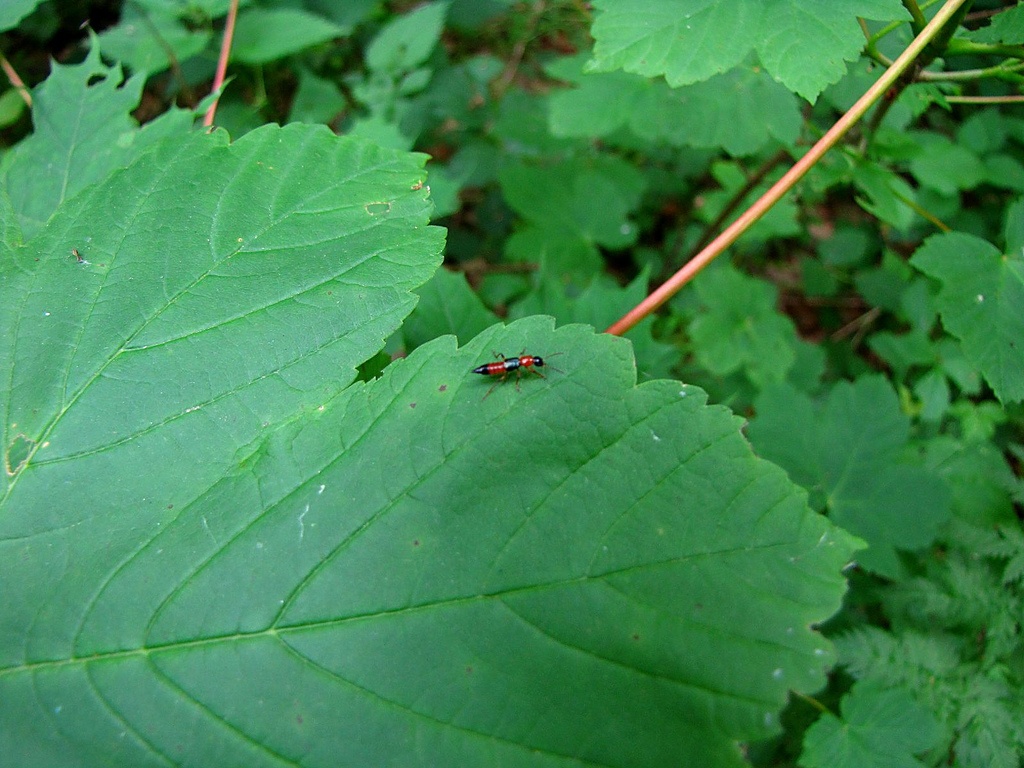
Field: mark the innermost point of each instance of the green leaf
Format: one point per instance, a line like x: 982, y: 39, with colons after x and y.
x: 380, y: 581
x: 1013, y: 233
x: 803, y: 44
x: 944, y: 166
x: 879, y: 728
x: 740, y: 111
x: 850, y: 453
x: 903, y: 351
x: 12, y: 107
x: 317, y: 100
x: 406, y: 42
x: 980, y: 302
x: 146, y: 37
x: 740, y: 327
x: 979, y: 477
x: 558, y: 202
x: 84, y: 128
x: 197, y: 320
x: 447, y: 305
x: 1007, y: 27
x: 13, y: 11
x: 266, y: 34
x: 886, y: 195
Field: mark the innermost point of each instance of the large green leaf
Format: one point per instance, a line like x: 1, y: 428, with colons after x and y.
x: 222, y: 289
x: 981, y: 302
x: 804, y: 44
x: 420, y: 574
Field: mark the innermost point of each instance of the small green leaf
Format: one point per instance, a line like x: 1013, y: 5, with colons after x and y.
x: 317, y: 100
x: 447, y: 305
x: 266, y: 34
x: 564, y: 222
x: 1014, y: 231
x: 944, y: 166
x: 740, y: 327
x: 980, y: 302
x: 12, y: 107
x: 933, y: 391
x: 886, y: 195
x: 1007, y: 27
x: 407, y: 41
x: 903, y: 351
x: 850, y: 454
x: 879, y: 728
x: 740, y: 111
x: 979, y: 477
x: 146, y: 38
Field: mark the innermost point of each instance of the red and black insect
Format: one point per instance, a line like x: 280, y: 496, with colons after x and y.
x: 505, y: 365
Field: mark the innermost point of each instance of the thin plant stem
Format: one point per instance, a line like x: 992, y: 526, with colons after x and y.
x: 222, y: 61
x: 747, y: 219
x: 918, y: 19
x: 985, y: 99
x: 168, y: 50
x: 16, y: 81
x: 509, y: 73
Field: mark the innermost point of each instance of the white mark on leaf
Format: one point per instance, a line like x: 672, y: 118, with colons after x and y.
x: 302, y: 525
x: 206, y: 527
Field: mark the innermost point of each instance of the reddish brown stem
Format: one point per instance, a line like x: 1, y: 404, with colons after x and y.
x: 222, y: 60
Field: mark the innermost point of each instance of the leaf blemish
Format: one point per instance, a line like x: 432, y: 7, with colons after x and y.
x: 376, y: 209
x: 17, y: 453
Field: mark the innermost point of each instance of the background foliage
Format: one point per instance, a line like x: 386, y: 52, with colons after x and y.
x: 255, y: 510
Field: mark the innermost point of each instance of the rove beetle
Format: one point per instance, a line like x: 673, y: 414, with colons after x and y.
x: 505, y: 365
